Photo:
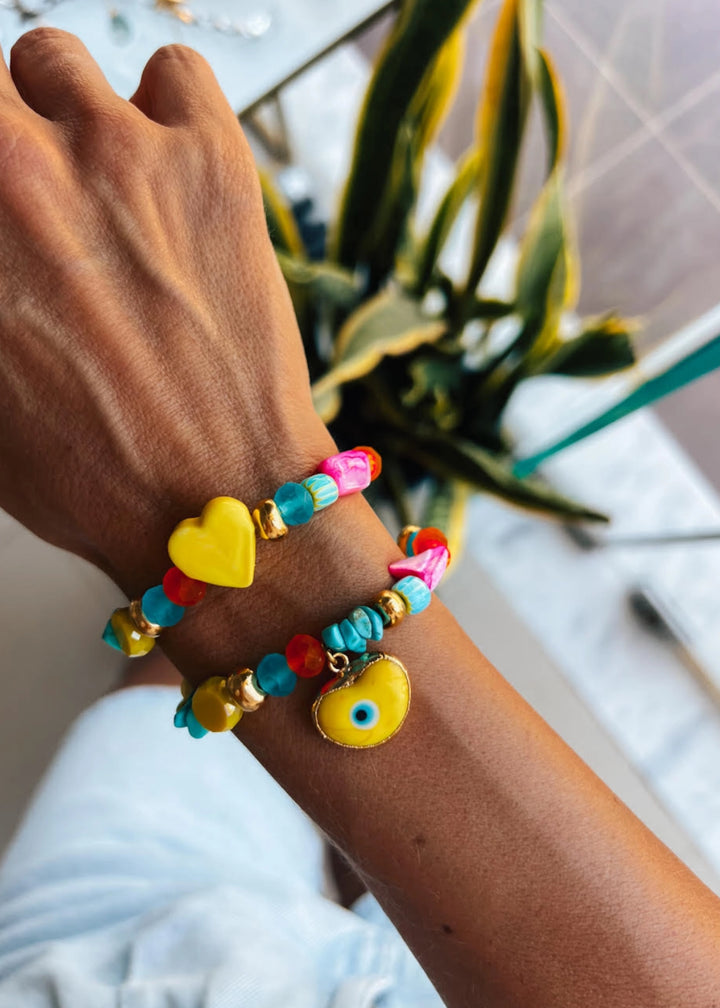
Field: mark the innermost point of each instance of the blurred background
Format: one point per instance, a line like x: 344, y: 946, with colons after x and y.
x: 617, y: 645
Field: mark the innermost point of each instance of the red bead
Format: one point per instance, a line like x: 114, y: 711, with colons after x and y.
x: 374, y: 459
x: 305, y: 655
x: 426, y: 538
x: 181, y: 589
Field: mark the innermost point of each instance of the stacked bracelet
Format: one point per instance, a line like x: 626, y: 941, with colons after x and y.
x: 218, y: 548
x: 367, y: 700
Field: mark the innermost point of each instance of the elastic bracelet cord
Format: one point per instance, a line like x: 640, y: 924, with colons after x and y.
x: 367, y: 700
x: 218, y: 547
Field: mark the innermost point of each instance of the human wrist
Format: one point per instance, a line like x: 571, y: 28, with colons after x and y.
x: 303, y: 582
x: 134, y: 548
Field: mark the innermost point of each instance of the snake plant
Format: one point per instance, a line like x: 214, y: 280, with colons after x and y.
x: 413, y: 364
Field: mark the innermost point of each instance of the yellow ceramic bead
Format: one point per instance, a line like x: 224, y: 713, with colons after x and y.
x: 367, y: 705
x: 219, y: 546
x: 213, y: 707
x: 133, y: 643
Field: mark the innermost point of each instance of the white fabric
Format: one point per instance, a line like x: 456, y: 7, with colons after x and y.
x: 156, y: 871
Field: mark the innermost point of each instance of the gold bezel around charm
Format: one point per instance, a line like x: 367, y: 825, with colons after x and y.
x: 394, y: 697
x: 141, y: 623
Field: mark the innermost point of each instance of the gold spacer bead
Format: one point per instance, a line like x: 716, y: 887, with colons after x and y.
x: 140, y: 622
x: 268, y: 520
x: 405, y: 535
x: 240, y: 687
x: 391, y: 603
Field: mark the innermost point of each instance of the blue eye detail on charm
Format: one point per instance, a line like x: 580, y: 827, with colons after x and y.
x: 365, y: 714
x: 366, y: 704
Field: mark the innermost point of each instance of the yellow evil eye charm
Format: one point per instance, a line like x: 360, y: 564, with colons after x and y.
x: 366, y: 705
x: 213, y: 706
x: 219, y: 546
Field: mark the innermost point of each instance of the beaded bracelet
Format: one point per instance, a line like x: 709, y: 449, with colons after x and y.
x: 367, y: 701
x: 218, y: 548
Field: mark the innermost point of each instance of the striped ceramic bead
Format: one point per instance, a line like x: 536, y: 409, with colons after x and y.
x: 415, y: 593
x: 323, y: 490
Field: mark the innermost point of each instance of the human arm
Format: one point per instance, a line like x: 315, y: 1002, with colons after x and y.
x: 150, y: 361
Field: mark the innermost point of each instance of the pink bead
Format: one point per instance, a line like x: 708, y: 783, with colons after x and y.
x: 351, y: 471
x: 429, y: 566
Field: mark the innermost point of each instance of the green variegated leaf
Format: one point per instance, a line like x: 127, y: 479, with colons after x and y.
x: 603, y: 347
x: 436, y: 391
x: 437, y: 89
x: 327, y: 403
x: 553, y: 102
x: 463, y: 185
x: 491, y: 309
x: 419, y: 33
x: 454, y: 458
x: 540, y: 251
x: 323, y: 280
x: 391, y: 233
x: 280, y: 221
x: 501, y: 121
x: 445, y: 509
x: 389, y: 324
x: 530, y: 17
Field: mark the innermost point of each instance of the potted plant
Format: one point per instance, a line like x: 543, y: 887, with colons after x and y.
x: 402, y: 355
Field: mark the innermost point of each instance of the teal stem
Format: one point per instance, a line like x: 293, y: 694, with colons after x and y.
x: 696, y: 365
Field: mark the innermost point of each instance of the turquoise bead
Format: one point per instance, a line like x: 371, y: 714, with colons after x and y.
x: 194, y: 726
x: 180, y: 719
x: 332, y: 638
x: 361, y: 622
x: 109, y: 636
x: 157, y: 608
x: 274, y: 675
x: 323, y: 489
x: 295, y: 503
x: 415, y: 593
x: 353, y: 640
x: 376, y: 623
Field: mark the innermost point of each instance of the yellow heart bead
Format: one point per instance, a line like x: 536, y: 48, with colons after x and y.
x: 367, y: 704
x: 133, y: 643
x: 213, y: 708
x: 219, y: 546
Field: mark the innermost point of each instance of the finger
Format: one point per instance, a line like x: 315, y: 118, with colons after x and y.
x: 57, y: 77
x: 178, y: 88
x: 7, y: 88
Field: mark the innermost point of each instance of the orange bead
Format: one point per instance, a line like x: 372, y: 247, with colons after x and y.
x: 305, y: 655
x: 374, y: 459
x: 427, y: 538
x: 183, y: 590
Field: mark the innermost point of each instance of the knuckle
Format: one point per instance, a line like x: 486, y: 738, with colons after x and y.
x: 38, y: 40
x: 175, y: 53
